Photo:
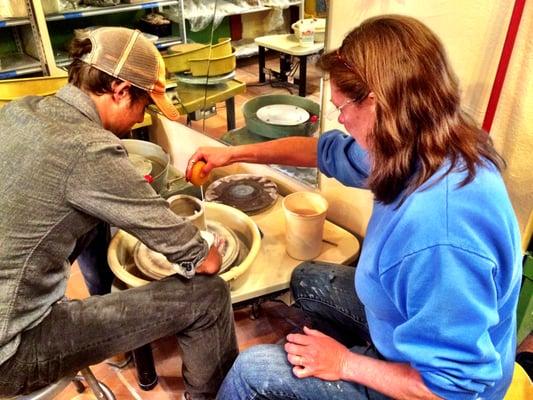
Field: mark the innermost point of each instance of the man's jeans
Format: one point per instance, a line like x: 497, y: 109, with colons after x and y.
x: 80, y: 333
x: 326, y: 293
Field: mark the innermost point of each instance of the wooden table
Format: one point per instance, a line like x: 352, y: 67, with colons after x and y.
x: 191, y: 98
x: 287, y: 45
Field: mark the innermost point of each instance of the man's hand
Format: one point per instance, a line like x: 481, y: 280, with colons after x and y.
x: 315, y: 354
x: 211, y: 264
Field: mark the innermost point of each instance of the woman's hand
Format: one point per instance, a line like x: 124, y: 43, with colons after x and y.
x: 212, y: 156
x: 315, y: 354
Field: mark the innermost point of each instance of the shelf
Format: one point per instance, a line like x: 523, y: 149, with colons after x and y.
x: 266, y: 7
x: 90, y: 11
x: 62, y: 59
x: 253, y: 9
x: 165, y: 42
x: 14, y: 22
x: 17, y: 65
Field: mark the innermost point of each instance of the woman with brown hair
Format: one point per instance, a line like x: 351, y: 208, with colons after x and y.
x: 436, y: 286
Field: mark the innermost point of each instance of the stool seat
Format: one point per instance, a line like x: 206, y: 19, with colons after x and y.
x: 47, y: 393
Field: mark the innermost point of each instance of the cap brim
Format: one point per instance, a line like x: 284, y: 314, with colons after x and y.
x: 165, y: 106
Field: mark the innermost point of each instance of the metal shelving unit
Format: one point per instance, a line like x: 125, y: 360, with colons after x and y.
x: 15, y: 64
x: 14, y: 22
x: 92, y: 11
x: 48, y: 64
x: 266, y: 7
x: 21, y: 65
x: 162, y: 43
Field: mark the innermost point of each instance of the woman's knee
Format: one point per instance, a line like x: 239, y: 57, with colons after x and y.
x: 307, y: 276
x: 261, y: 365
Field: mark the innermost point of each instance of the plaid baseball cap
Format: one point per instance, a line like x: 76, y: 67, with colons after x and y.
x: 126, y: 54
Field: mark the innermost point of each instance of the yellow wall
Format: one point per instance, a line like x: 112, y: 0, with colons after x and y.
x: 473, y: 33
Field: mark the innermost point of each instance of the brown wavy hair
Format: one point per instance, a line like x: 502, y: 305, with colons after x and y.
x: 419, y: 121
x: 88, y: 78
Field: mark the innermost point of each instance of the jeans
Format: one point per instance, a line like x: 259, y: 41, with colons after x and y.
x: 326, y: 293
x: 84, y: 332
x: 91, y: 254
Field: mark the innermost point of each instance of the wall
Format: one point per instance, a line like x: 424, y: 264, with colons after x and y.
x: 473, y: 33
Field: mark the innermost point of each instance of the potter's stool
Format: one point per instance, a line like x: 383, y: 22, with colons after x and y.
x: 287, y: 45
x: 99, y: 390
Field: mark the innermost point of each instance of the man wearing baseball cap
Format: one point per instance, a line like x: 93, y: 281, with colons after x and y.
x: 67, y: 178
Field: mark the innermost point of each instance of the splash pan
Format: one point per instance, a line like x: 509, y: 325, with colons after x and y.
x: 121, y: 249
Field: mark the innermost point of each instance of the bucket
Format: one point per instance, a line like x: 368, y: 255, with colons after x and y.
x: 155, y: 155
x: 305, y: 214
x: 188, y: 207
x: 318, y: 26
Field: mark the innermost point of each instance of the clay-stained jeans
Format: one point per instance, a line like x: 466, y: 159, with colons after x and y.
x: 80, y: 333
x: 326, y: 293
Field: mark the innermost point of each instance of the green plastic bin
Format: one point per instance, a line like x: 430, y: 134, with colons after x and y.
x: 525, y: 300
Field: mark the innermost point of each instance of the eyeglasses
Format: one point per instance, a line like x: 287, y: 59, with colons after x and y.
x: 332, y: 114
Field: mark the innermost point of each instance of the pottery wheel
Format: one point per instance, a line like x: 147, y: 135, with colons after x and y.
x: 156, y: 266
x: 248, y: 193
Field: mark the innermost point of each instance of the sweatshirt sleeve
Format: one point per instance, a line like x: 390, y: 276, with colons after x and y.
x: 103, y: 183
x: 448, y: 299
x: 340, y: 157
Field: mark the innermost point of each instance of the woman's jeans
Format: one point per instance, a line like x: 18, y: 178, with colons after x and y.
x: 91, y: 254
x: 84, y: 332
x: 326, y: 292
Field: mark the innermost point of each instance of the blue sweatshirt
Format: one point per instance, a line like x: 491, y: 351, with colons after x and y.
x: 439, y: 276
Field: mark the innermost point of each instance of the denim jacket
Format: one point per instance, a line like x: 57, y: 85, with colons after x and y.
x: 62, y: 174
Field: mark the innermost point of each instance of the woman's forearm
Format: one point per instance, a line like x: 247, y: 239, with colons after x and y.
x: 296, y: 151
x: 396, y: 380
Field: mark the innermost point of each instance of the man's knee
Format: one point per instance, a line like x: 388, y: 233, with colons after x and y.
x: 212, y: 290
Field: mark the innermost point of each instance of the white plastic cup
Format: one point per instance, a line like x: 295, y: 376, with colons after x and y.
x: 188, y: 207
x: 306, y: 36
x: 305, y: 214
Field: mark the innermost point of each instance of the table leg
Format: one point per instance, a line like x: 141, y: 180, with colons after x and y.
x: 230, y: 113
x: 144, y: 363
x: 285, y: 66
x: 303, y: 77
x: 261, y: 64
